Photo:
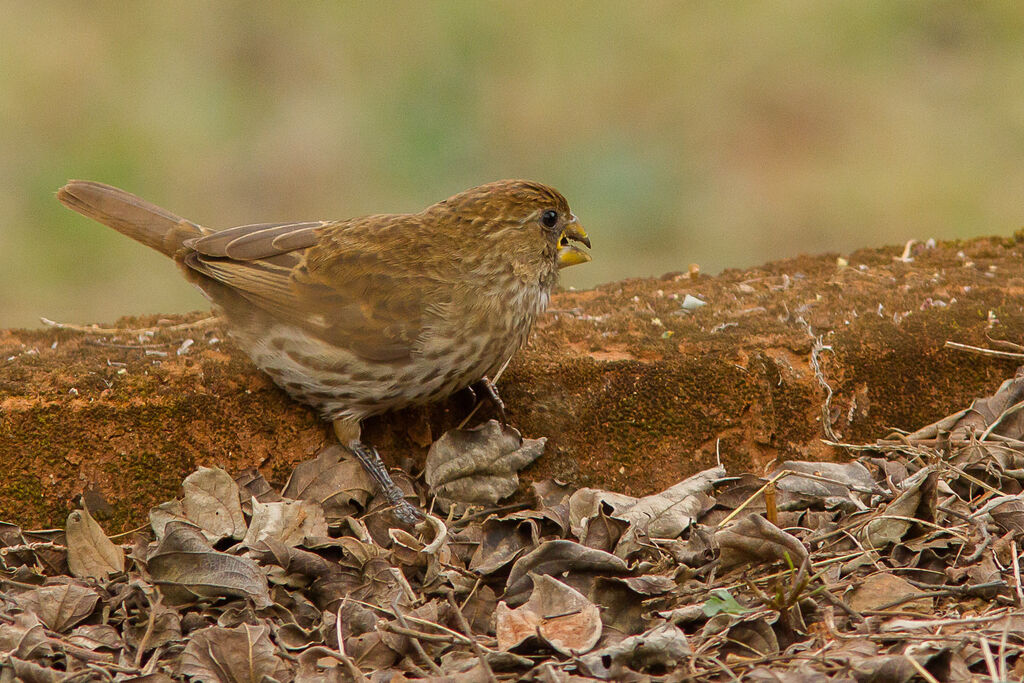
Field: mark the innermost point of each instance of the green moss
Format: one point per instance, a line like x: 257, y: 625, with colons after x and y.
x: 24, y: 498
x: 683, y: 402
x: 154, y: 478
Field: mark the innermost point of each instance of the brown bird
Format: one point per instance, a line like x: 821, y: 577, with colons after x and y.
x: 366, y: 315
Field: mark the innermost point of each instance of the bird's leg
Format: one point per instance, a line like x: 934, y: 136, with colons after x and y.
x: 370, y: 459
x: 374, y: 466
x: 466, y: 396
x: 486, y: 387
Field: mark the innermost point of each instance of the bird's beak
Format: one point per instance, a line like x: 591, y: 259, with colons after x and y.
x: 570, y: 254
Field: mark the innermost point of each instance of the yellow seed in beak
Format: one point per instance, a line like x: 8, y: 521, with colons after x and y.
x: 570, y: 254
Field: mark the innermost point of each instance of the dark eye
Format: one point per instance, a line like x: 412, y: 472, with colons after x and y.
x: 549, y: 218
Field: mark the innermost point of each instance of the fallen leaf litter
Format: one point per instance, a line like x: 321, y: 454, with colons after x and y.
x: 901, y: 563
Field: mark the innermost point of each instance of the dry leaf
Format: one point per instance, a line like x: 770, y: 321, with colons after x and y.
x: 162, y: 624
x: 602, y: 531
x: 661, y: 648
x: 556, y: 613
x: 1008, y: 513
x: 832, y: 484
x: 186, y: 567
x: 883, y: 588
x: 893, y: 521
x: 501, y: 542
x: 252, y: 483
x: 479, y: 466
x: 314, y: 612
x: 755, y: 539
x: 90, y: 553
x: 168, y: 511
x: 334, y: 479
x: 97, y: 636
x: 289, y: 522
x: 59, y: 607
x: 25, y: 637
x: 622, y: 602
x: 752, y: 637
x: 982, y: 413
x: 240, y: 654
x: 210, y: 501
x: 558, y: 557
x: 662, y: 515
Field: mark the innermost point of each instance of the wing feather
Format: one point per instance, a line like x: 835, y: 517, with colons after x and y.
x: 361, y: 302
x: 260, y: 240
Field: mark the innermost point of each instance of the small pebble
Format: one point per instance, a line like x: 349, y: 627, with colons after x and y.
x: 692, y: 303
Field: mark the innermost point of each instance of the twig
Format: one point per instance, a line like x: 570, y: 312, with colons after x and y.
x: 353, y: 670
x: 722, y: 667
x: 95, y: 329
x: 468, y: 519
x: 996, y: 422
x: 113, y: 345
x: 1016, y: 573
x: 472, y: 592
x: 990, y: 663
x: 150, y: 625
x: 983, y: 352
x: 416, y: 644
x: 974, y: 480
x: 837, y: 602
x: 419, y: 635
x: 1002, y: 652
x: 923, y: 672
x: 931, y: 624
x: 31, y: 547
x: 905, y: 257
x: 771, y: 504
x: 154, y: 660
x: 416, y: 620
x: 970, y: 590
x: 826, y: 407
x: 464, y: 625
x: 979, y: 525
x: 742, y: 506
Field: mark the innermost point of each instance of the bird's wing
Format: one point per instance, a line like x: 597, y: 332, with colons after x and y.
x: 261, y: 240
x: 349, y: 296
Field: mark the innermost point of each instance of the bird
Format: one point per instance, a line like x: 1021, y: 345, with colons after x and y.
x: 362, y: 316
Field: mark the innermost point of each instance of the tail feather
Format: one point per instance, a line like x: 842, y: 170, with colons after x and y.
x: 130, y: 215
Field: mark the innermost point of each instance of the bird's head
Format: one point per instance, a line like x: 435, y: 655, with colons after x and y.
x: 527, y: 223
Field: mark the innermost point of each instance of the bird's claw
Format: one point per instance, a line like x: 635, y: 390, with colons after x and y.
x: 408, y: 513
x: 487, y: 388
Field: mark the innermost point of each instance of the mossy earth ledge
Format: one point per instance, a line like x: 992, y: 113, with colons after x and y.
x: 633, y: 391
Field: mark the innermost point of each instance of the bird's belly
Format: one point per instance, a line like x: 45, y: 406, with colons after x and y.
x: 340, y: 384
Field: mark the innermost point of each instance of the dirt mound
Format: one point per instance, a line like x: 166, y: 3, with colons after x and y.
x: 636, y: 384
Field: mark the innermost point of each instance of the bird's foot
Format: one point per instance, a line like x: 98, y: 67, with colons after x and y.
x: 486, y: 387
x: 374, y: 466
x: 407, y: 513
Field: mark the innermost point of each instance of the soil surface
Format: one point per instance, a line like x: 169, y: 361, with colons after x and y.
x: 634, y: 387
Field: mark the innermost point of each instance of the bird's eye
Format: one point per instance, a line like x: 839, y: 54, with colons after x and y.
x: 549, y: 218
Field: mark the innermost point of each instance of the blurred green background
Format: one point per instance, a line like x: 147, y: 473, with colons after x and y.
x: 721, y: 133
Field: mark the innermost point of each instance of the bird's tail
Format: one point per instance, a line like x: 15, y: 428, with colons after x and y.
x: 130, y: 215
